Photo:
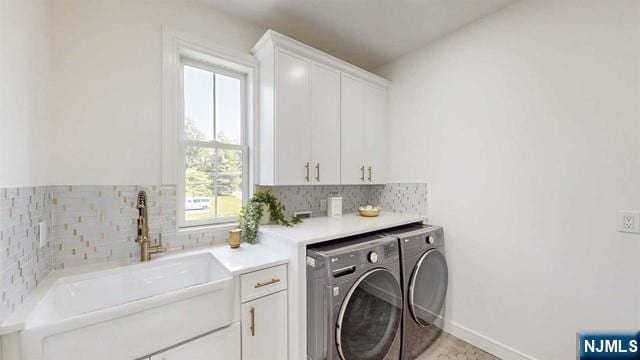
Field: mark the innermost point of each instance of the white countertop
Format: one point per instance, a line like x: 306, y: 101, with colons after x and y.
x: 245, y: 259
x: 319, y: 229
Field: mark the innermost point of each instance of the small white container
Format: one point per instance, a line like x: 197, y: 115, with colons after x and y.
x: 334, y: 205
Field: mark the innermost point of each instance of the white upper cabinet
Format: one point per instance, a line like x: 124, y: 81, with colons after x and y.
x: 353, y: 134
x: 293, y: 119
x: 322, y: 120
x: 363, y: 119
x: 375, y: 137
x: 325, y: 125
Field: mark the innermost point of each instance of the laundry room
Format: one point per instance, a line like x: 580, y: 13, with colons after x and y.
x: 319, y: 180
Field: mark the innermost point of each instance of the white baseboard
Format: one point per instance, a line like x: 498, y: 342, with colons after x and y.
x: 489, y: 345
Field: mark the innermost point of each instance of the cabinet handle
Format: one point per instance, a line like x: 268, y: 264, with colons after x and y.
x: 362, y: 174
x: 253, y: 322
x: 318, y: 172
x: 369, y: 168
x: 272, y: 281
x: 306, y: 169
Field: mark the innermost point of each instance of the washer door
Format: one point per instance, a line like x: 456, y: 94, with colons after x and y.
x: 428, y: 287
x: 370, y: 317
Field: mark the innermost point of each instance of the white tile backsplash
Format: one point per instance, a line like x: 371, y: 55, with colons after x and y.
x: 402, y: 197
x: 22, y: 264
x: 397, y: 197
x: 303, y: 198
x: 97, y: 224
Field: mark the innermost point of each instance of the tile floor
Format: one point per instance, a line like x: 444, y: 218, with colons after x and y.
x: 449, y: 347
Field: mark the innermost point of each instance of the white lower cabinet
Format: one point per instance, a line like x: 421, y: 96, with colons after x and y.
x: 264, y: 328
x: 223, y: 344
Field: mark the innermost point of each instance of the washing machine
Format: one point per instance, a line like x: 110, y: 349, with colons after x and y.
x: 425, y: 278
x: 354, y: 299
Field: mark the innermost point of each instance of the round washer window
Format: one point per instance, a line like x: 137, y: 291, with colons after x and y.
x: 428, y: 287
x: 370, y: 317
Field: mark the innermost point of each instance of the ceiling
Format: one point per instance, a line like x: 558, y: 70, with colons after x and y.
x: 367, y: 33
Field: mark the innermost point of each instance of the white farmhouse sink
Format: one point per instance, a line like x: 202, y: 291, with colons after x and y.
x: 104, y: 314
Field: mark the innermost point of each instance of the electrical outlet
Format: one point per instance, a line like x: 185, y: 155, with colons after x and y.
x: 629, y: 221
x: 42, y: 234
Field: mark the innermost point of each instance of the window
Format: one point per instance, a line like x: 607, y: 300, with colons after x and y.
x: 213, y: 167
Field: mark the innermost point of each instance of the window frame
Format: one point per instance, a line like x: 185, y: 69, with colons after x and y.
x: 183, y: 143
x: 177, y: 43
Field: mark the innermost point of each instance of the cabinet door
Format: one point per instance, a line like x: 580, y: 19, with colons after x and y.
x: 352, y: 130
x: 264, y: 328
x: 325, y: 125
x: 293, y: 119
x: 222, y: 344
x: 375, y: 127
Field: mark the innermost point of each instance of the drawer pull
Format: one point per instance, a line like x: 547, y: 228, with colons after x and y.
x: 272, y: 281
x: 253, y: 322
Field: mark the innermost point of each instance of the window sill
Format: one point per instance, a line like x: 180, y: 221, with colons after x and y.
x: 209, y: 228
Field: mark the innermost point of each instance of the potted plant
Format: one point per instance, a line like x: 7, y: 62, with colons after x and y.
x: 251, y: 214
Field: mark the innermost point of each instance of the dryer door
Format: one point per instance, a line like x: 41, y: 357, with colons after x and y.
x: 428, y: 287
x: 368, y: 325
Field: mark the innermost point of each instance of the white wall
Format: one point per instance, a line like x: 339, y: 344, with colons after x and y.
x: 24, y: 86
x: 106, y: 59
x: 526, y: 126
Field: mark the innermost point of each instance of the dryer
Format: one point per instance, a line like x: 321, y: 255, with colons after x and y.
x: 425, y: 277
x: 354, y: 300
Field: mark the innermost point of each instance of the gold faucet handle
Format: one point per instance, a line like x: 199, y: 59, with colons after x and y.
x: 154, y: 249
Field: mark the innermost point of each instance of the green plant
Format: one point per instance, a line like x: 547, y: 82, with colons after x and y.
x: 251, y: 214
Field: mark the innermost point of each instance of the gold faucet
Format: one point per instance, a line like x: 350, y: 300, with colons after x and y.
x: 146, y: 249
